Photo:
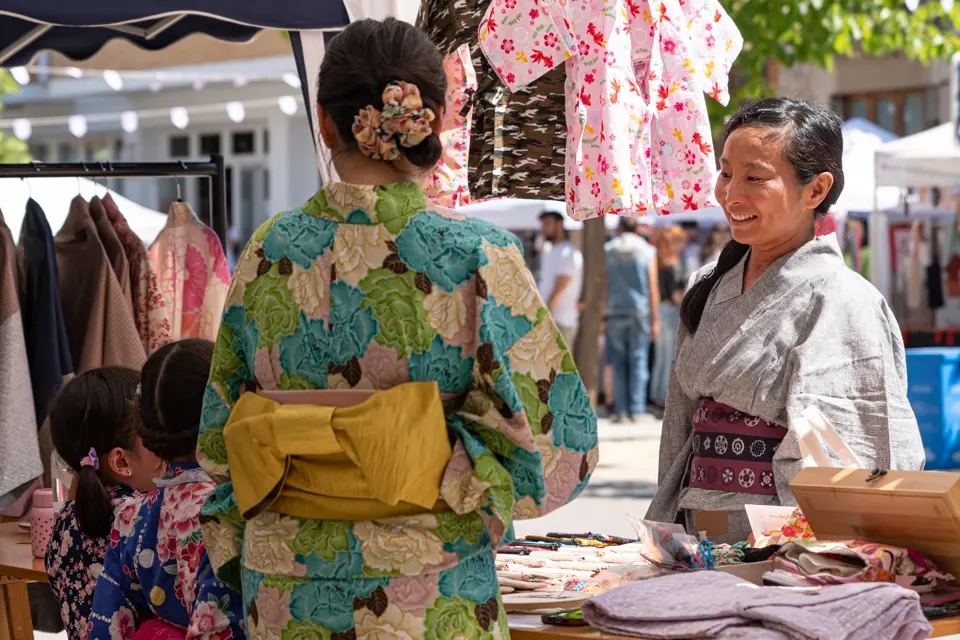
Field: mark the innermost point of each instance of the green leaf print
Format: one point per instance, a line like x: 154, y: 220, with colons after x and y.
x: 325, y: 538
x: 495, y: 440
x: 398, y: 307
x: 397, y: 203
x: 283, y: 584
x: 225, y: 365
x: 568, y: 365
x: 454, y: 526
x: 293, y: 382
x: 297, y: 630
x: 318, y: 205
x: 530, y: 397
x: 501, y: 484
x: 453, y: 618
x: 261, y: 233
x: 269, y: 300
x: 212, y: 445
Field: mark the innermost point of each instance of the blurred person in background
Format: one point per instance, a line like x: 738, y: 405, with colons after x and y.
x: 561, y: 275
x: 670, y: 245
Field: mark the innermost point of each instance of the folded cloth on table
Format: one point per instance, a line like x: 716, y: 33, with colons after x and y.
x: 716, y: 605
x: 830, y: 563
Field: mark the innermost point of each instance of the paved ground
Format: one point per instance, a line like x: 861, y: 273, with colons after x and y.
x: 623, y: 484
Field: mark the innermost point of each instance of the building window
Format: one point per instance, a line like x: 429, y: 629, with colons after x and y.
x: 266, y: 140
x: 210, y: 144
x: 180, y: 146
x: 243, y: 143
x: 900, y: 112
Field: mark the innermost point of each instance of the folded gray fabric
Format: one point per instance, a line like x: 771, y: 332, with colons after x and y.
x: 711, y: 604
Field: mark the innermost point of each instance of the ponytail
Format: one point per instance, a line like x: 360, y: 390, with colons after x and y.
x: 691, y: 309
x: 92, y: 504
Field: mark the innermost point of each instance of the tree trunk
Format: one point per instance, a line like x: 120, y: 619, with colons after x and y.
x: 586, y: 352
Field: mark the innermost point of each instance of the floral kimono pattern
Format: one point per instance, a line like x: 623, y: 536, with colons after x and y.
x: 449, y: 186
x: 74, y: 563
x: 639, y: 138
x: 192, y: 274
x: 157, y: 566
x: 367, y: 288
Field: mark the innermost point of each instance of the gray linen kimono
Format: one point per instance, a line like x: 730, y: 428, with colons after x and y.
x: 809, y: 331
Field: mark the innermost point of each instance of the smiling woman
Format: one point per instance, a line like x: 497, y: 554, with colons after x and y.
x: 776, y: 325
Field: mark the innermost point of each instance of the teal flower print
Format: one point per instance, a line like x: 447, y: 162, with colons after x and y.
x: 397, y: 204
x: 443, y: 363
x: 251, y: 585
x: 246, y: 336
x: 398, y: 307
x: 501, y: 327
x: 328, y: 602
x: 300, y: 237
x: 214, y: 410
x: 574, y: 420
x: 306, y: 353
x: 472, y: 443
x: 507, y: 392
x: 227, y: 367
x: 358, y: 216
x: 474, y: 579
x: 493, y: 234
x: 352, y: 327
x: 526, y: 469
x: 439, y: 248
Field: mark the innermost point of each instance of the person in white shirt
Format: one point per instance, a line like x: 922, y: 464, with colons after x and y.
x: 561, y: 275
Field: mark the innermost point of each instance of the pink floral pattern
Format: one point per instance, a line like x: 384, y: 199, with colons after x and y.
x: 449, y: 185
x: 636, y: 75
x: 192, y: 275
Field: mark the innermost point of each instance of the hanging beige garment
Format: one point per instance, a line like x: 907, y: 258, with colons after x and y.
x: 99, y: 319
x: 113, y: 247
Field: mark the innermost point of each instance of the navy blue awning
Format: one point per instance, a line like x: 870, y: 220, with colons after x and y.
x: 80, y: 30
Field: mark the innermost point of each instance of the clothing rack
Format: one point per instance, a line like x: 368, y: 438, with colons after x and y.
x: 215, y: 218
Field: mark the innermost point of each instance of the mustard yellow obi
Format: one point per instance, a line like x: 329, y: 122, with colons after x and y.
x: 381, y: 458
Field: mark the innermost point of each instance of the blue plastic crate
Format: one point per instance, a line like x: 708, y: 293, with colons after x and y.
x: 933, y: 388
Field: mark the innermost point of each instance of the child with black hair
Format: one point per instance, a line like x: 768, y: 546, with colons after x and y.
x: 157, y: 580
x: 92, y: 426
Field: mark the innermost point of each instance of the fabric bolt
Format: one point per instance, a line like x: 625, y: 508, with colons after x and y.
x: 733, y: 451
x: 517, y: 139
x: 148, y: 305
x: 74, y: 563
x: 113, y: 248
x: 98, y: 320
x: 808, y: 332
x: 716, y: 605
x: 449, y: 185
x: 156, y: 566
x: 48, y: 349
x: 639, y: 136
x: 368, y: 288
x: 192, y: 274
x: 19, y: 449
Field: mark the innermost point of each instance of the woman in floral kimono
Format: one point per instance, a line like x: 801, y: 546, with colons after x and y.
x: 370, y: 287
x: 776, y: 325
x: 157, y: 581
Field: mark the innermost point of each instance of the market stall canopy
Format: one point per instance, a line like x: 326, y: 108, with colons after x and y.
x: 78, y: 31
x: 54, y: 196
x: 861, y: 139
x: 930, y: 158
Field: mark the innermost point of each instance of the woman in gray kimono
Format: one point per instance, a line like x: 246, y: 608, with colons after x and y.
x: 777, y: 324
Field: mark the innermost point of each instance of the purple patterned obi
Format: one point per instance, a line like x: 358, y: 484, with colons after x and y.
x: 733, y: 451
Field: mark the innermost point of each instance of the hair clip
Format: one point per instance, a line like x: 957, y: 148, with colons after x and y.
x: 91, y: 460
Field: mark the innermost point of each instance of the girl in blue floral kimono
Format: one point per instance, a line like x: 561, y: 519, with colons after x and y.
x: 369, y: 287
x: 157, y: 567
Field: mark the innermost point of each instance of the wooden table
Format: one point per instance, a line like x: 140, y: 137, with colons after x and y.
x: 530, y: 627
x: 17, y: 568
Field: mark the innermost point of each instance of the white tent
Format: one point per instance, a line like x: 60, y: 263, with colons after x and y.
x: 54, y: 196
x: 930, y: 158
x: 861, y: 139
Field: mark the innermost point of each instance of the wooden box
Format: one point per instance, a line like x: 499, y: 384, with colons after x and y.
x: 917, y: 510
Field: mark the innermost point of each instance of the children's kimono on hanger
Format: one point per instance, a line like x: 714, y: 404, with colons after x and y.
x: 639, y: 137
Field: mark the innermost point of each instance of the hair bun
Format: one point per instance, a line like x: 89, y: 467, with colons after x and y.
x: 426, y: 154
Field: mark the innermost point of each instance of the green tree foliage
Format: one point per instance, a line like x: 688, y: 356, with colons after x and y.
x: 817, y: 31
x: 12, y: 150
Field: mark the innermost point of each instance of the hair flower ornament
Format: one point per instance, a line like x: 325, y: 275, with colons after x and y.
x: 404, y: 121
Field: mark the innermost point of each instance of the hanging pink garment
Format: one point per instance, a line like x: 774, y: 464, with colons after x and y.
x: 639, y: 138
x: 192, y: 274
x: 449, y: 185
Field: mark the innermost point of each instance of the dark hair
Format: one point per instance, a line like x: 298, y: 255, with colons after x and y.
x: 94, y: 411
x: 363, y: 59
x: 629, y: 225
x: 171, y: 398
x: 554, y: 215
x: 812, y: 142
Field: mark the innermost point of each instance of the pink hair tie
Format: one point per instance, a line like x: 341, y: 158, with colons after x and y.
x: 91, y: 460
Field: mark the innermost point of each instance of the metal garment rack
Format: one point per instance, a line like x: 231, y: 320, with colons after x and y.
x: 214, y: 170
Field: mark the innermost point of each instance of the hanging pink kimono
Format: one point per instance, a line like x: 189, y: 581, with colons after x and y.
x: 449, y: 185
x: 192, y: 274
x: 639, y: 138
